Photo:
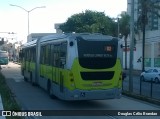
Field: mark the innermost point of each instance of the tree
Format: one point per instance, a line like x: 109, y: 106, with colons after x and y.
x: 89, y: 21
x: 124, y: 22
x: 147, y: 7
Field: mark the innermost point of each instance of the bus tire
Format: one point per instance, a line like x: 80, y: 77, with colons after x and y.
x: 25, y: 79
x: 31, y: 80
x: 49, y: 90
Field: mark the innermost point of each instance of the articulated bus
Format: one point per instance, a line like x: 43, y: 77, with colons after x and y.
x: 78, y: 66
x: 4, y: 58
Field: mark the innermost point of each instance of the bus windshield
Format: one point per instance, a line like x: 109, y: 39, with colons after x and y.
x: 3, y: 54
x: 97, y: 54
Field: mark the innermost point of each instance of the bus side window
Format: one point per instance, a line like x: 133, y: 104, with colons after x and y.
x: 34, y: 54
x: 42, y: 57
x: 48, y: 54
x: 52, y: 55
x: 57, y: 49
x: 29, y: 55
x: 21, y: 54
x: 24, y: 51
x: 45, y: 55
x: 63, y: 53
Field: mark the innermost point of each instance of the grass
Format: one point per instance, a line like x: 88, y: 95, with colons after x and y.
x: 9, y: 103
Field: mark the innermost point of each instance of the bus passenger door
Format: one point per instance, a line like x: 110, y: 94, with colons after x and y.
x: 57, y: 64
x: 63, y: 53
x: 61, y: 60
x: 61, y: 81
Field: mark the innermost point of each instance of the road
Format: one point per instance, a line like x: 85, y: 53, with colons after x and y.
x: 35, y: 98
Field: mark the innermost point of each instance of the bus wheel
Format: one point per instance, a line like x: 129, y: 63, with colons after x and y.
x: 31, y: 80
x: 25, y: 79
x: 30, y: 77
x: 49, y: 90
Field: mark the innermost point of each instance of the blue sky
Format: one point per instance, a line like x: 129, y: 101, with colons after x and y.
x: 42, y: 20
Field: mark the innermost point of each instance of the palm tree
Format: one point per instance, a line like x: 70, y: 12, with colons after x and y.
x: 147, y: 7
x: 124, y: 24
x: 125, y: 30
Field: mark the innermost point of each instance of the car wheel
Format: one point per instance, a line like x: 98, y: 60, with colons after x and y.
x: 142, y: 78
x: 156, y: 80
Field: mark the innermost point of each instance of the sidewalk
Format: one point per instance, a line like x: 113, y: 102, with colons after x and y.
x: 1, y: 108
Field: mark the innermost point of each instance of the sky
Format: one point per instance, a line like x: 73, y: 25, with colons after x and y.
x: 42, y: 20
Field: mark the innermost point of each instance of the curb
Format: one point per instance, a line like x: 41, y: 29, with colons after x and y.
x: 1, y: 108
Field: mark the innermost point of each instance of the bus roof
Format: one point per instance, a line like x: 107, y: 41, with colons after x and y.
x: 56, y: 36
x: 87, y: 36
x: 29, y: 44
x: 2, y: 51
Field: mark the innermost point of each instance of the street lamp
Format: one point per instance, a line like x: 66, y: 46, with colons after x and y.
x: 28, y: 11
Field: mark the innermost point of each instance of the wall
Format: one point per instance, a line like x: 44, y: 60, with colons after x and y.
x: 152, y: 51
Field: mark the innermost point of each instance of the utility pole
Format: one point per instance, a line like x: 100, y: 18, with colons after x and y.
x: 144, y: 14
x: 131, y: 48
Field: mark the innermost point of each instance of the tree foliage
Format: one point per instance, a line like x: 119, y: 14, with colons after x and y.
x: 89, y: 21
x: 124, y: 24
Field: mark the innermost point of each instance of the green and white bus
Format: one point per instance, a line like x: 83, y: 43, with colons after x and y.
x: 4, y: 58
x: 78, y: 66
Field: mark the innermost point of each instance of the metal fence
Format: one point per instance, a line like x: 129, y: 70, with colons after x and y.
x: 146, y: 89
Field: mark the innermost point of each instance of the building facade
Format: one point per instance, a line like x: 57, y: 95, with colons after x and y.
x: 56, y: 26
x: 152, y: 41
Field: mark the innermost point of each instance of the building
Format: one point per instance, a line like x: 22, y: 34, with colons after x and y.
x: 152, y: 42
x: 56, y: 26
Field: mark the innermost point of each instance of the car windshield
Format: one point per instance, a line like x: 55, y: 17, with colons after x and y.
x: 149, y: 71
x: 155, y: 70
x: 3, y: 54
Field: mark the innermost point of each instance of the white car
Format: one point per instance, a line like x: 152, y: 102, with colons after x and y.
x: 151, y: 75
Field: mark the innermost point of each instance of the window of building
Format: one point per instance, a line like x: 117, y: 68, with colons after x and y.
x: 157, y: 54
